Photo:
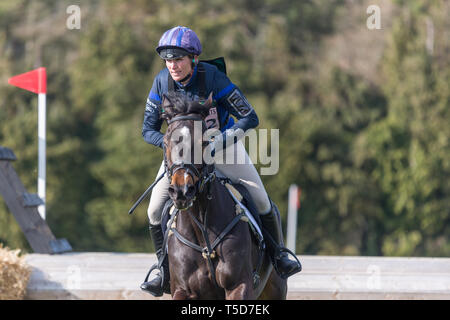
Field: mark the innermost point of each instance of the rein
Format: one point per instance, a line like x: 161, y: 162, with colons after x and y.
x: 186, y: 117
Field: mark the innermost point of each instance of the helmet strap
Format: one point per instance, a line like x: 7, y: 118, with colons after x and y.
x: 185, y: 78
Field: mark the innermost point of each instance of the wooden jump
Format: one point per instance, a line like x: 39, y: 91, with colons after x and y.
x: 117, y: 276
x: 23, y: 206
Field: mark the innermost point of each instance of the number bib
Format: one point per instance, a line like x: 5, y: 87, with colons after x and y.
x: 212, y: 119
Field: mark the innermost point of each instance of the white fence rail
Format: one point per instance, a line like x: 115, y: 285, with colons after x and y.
x: 118, y: 276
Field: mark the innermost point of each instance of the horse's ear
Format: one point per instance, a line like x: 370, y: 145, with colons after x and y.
x: 165, y: 105
x: 208, y: 103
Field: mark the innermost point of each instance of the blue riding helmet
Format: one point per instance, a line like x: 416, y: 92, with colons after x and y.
x: 178, y: 42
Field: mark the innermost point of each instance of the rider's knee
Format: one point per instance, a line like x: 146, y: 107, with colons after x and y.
x: 263, y: 205
x: 154, y: 215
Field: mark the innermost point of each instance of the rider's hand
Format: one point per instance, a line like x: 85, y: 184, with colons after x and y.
x: 227, y: 138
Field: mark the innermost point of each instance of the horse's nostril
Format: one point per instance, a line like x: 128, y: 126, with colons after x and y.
x: 171, y: 190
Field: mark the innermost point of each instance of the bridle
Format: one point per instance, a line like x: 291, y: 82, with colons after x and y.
x: 205, y: 174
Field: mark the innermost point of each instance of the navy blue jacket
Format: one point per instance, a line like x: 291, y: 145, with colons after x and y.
x: 229, y: 98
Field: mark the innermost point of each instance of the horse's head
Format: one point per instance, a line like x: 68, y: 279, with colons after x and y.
x: 183, y: 146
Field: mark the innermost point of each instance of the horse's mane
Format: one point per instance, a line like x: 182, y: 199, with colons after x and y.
x: 177, y: 103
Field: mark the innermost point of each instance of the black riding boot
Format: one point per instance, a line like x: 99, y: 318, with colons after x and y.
x: 283, y: 265
x: 160, y: 284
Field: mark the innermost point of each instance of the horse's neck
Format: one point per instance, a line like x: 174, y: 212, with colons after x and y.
x: 213, y: 210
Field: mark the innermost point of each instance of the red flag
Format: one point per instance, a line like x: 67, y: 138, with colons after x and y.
x: 34, y: 81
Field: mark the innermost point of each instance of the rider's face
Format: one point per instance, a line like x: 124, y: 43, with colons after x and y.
x: 179, y: 68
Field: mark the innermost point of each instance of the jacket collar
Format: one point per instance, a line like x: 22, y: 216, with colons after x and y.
x: 191, y: 80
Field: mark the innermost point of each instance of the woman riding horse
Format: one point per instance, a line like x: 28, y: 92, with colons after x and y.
x: 180, y: 48
x: 212, y: 252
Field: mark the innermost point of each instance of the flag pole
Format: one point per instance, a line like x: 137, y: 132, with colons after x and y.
x: 36, y: 82
x: 293, y: 206
x: 42, y: 110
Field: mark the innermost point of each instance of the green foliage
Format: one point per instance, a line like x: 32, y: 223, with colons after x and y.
x: 372, y: 158
x: 409, y: 148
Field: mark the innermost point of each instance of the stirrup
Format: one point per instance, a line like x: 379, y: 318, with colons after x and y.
x: 276, y: 251
x: 162, y: 275
x: 278, y: 256
x: 153, y: 267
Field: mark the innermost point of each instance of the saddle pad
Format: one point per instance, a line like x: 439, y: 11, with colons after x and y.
x: 243, y: 196
x: 238, y: 190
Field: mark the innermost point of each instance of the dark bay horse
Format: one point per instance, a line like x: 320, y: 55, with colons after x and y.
x: 212, y: 252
